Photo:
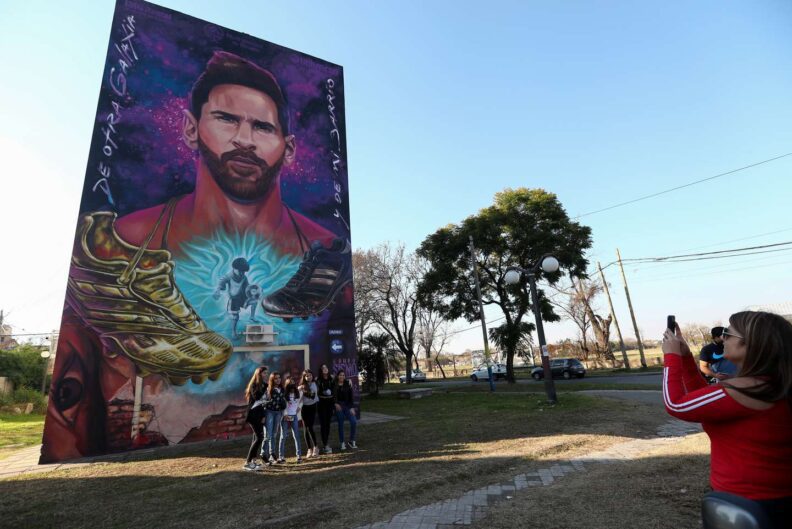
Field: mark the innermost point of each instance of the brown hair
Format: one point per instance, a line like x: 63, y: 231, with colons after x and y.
x: 271, y: 384
x: 768, y: 354
x: 256, y: 382
x: 304, y: 383
x: 226, y: 68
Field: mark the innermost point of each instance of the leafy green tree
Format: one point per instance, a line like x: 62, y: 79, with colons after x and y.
x: 521, y: 226
x: 23, y: 365
x: 375, y: 359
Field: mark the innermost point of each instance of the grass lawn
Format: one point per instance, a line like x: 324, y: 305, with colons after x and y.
x: 446, y: 445
x: 19, y: 431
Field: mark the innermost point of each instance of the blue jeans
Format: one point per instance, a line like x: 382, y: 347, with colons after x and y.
x: 272, y: 423
x: 340, y: 415
x: 294, y: 426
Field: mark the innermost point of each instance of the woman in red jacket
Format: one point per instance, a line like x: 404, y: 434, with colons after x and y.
x: 748, y: 418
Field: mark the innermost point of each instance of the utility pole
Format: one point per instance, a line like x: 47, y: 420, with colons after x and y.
x: 481, y: 315
x: 613, y: 315
x: 632, y: 313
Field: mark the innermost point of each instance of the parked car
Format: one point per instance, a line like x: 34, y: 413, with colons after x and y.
x: 417, y: 376
x: 561, y: 367
x: 480, y: 373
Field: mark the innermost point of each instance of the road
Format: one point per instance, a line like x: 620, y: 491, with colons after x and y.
x: 650, y: 380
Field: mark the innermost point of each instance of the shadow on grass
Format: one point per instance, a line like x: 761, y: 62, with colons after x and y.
x: 446, y: 445
x: 653, y: 492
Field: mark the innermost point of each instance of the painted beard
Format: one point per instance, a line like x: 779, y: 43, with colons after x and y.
x: 241, y: 175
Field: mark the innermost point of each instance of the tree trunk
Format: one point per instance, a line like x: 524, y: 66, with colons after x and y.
x: 510, y: 366
x: 442, y: 371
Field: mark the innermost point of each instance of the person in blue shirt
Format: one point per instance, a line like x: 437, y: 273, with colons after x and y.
x: 711, y: 361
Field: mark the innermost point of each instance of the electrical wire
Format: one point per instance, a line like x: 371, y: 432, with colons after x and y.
x: 652, y: 195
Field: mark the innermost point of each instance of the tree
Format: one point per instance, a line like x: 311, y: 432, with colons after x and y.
x: 521, y: 226
x: 364, y: 302
x: 375, y: 358
x: 390, y: 283
x: 23, y: 365
x: 517, y: 337
x: 577, y: 301
x: 697, y: 334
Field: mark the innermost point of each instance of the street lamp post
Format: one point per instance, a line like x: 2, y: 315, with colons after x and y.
x: 45, y: 355
x: 549, y: 264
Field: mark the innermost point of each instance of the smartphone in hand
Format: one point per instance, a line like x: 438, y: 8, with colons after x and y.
x: 671, y: 323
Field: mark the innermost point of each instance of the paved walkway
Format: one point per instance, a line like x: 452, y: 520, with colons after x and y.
x: 475, y: 504
x: 25, y: 460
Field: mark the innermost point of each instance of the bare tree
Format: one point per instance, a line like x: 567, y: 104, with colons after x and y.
x: 392, y: 279
x: 364, y: 306
x: 577, y: 302
x: 434, y: 334
x: 697, y: 334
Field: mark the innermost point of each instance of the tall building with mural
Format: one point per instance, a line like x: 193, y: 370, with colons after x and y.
x: 213, y: 236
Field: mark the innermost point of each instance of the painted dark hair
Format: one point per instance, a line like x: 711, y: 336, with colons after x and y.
x: 227, y: 68
x: 768, y: 354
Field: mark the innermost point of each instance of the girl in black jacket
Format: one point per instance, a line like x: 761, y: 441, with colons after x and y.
x: 345, y: 409
x: 254, y: 395
x: 326, y: 387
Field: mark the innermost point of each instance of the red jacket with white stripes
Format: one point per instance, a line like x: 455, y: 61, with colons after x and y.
x: 751, y: 452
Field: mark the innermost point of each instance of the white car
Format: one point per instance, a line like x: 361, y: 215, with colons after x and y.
x: 498, y: 371
x: 417, y: 376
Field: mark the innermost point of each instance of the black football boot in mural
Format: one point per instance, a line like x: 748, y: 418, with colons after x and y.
x: 323, y: 273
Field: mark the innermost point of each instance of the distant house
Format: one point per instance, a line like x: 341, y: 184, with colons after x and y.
x: 6, y: 340
x: 782, y: 309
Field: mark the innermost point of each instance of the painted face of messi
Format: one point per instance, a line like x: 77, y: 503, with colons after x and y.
x: 240, y: 140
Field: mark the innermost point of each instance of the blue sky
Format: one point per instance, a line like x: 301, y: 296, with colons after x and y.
x: 450, y: 102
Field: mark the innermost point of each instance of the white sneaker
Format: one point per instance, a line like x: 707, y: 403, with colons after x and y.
x: 251, y: 467
x: 352, y: 444
x: 343, y: 446
x: 316, y: 451
x: 309, y: 453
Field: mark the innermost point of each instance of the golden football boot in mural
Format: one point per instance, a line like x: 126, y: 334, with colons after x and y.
x: 129, y: 296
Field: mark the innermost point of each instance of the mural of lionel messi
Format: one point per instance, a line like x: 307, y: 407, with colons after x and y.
x: 144, y: 292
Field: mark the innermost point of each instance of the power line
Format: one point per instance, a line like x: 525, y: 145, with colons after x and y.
x: 701, y: 256
x: 645, y: 197
x: 713, y: 272
x: 737, y: 240
x: 476, y: 326
x: 745, y: 249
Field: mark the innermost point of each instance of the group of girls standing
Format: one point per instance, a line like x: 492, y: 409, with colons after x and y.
x: 276, y: 404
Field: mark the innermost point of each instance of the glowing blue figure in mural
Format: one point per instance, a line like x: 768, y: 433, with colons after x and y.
x: 244, y: 267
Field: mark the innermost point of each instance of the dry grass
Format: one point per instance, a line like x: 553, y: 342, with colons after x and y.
x: 446, y: 445
x: 662, y: 490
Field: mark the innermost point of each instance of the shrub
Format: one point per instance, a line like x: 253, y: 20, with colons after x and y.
x: 23, y: 365
x: 23, y: 396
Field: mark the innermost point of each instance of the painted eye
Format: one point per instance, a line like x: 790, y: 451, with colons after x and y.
x: 68, y: 394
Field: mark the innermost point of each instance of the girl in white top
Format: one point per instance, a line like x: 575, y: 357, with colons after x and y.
x: 291, y: 420
x: 310, y: 396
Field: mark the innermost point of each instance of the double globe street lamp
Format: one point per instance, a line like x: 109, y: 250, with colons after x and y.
x: 549, y: 264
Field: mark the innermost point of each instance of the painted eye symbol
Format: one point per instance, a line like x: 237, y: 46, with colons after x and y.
x: 67, y: 394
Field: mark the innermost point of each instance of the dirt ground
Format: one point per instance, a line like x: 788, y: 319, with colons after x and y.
x: 661, y: 490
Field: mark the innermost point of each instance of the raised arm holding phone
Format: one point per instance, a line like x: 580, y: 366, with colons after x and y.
x: 749, y: 417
